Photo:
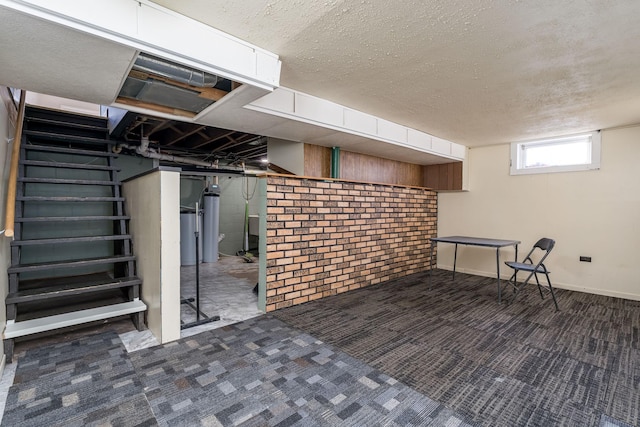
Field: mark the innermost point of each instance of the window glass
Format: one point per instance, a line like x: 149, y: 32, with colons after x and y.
x: 572, y: 153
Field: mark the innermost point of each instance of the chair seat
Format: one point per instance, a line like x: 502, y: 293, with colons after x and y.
x: 525, y: 267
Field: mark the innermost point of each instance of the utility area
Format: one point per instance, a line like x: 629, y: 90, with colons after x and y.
x: 218, y: 249
x: 73, y: 247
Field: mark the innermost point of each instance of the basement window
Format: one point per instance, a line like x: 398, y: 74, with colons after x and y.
x: 562, y: 154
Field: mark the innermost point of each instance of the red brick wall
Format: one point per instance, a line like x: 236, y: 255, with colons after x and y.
x: 324, y: 238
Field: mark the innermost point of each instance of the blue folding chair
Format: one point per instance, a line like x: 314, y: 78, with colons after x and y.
x: 542, y: 248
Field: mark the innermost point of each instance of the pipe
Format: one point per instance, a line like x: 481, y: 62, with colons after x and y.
x: 144, y: 150
x: 335, y: 162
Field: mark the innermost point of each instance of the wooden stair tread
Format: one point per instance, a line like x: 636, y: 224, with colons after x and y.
x: 67, y: 181
x: 79, y: 239
x: 69, y: 263
x: 49, y: 323
x: 67, y: 165
x: 73, y: 218
x: 74, y: 286
x: 69, y: 199
x: 56, y: 149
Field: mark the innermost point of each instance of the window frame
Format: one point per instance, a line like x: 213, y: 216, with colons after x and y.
x: 517, y: 169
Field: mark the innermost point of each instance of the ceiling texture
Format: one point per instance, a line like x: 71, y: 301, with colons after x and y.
x: 474, y: 72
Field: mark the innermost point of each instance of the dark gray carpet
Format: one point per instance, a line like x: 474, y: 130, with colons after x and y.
x: 395, y: 354
x: 84, y: 382
x: 517, y: 365
x: 260, y: 372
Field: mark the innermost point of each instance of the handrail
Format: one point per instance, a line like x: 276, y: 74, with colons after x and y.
x: 10, y: 211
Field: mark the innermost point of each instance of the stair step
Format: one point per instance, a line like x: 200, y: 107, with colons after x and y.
x: 67, y: 165
x: 32, y: 242
x: 71, y: 286
x: 21, y: 268
x: 50, y: 323
x: 72, y: 218
x: 67, y: 118
x: 68, y: 199
x: 54, y: 122
x: 63, y: 137
x: 66, y: 150
x: 67, y: 181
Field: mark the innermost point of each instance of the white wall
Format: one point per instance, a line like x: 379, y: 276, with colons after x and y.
x: 152, y: 201
x: 288, y: 155
x: 592, y: 213
x: 232, y: 206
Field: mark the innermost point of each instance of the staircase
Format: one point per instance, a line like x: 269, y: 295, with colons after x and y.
x: 71, y: 260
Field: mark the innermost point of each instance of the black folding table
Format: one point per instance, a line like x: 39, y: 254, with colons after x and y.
x: 474, y: 241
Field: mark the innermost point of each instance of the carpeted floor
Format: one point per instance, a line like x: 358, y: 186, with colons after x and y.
x: 260, y: 372
x: 394, y: 354
x: 497, y: 365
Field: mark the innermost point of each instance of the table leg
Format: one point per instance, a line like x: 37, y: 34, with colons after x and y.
x: 498, y: 274
x: 455, y: 257
x: 431, y: 265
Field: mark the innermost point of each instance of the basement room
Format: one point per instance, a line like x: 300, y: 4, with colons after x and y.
x: 319, y: 213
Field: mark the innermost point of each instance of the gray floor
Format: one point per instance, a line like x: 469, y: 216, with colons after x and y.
x: 399, y: 353
x: 226, y: 290
x: 519, y: 364
x: 259, y: 372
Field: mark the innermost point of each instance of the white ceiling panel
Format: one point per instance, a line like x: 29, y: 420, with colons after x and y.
x: 43, y: 57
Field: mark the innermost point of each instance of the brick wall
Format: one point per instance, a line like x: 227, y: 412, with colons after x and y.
x: 324, y: 238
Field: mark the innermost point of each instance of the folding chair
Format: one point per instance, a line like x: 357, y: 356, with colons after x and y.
x: 544, y: 246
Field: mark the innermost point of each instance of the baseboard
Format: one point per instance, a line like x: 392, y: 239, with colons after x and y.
x: 603, y: 292
x: 567, y: 286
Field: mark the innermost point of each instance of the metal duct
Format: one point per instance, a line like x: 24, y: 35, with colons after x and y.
x: 191, y: 76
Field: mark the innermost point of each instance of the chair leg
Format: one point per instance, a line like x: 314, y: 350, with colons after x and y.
x: 553, y: 295
x: 511, y: 282
x: 539, y: 287
x: 517, y: 288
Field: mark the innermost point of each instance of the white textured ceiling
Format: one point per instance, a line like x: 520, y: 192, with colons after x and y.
x: 473, y: 72
x: 470, y: 71
x: 44, y: 57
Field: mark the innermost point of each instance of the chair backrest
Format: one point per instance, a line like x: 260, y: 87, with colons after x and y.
x: 545, y: 244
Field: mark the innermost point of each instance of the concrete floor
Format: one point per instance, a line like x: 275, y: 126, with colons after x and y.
x: 226, y: 290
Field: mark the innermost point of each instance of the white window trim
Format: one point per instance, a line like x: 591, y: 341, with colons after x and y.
x: 595, y: 158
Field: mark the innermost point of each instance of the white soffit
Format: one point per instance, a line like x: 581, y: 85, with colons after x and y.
x: 294, y: 105
x: 43, y: 57
x: 146, y: 26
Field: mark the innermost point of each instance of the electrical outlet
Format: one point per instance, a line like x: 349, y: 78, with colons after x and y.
x: 585, y: 258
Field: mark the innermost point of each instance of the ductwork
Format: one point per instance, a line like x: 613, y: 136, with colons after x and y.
x: 145, y: 151
x: 152, y: 65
